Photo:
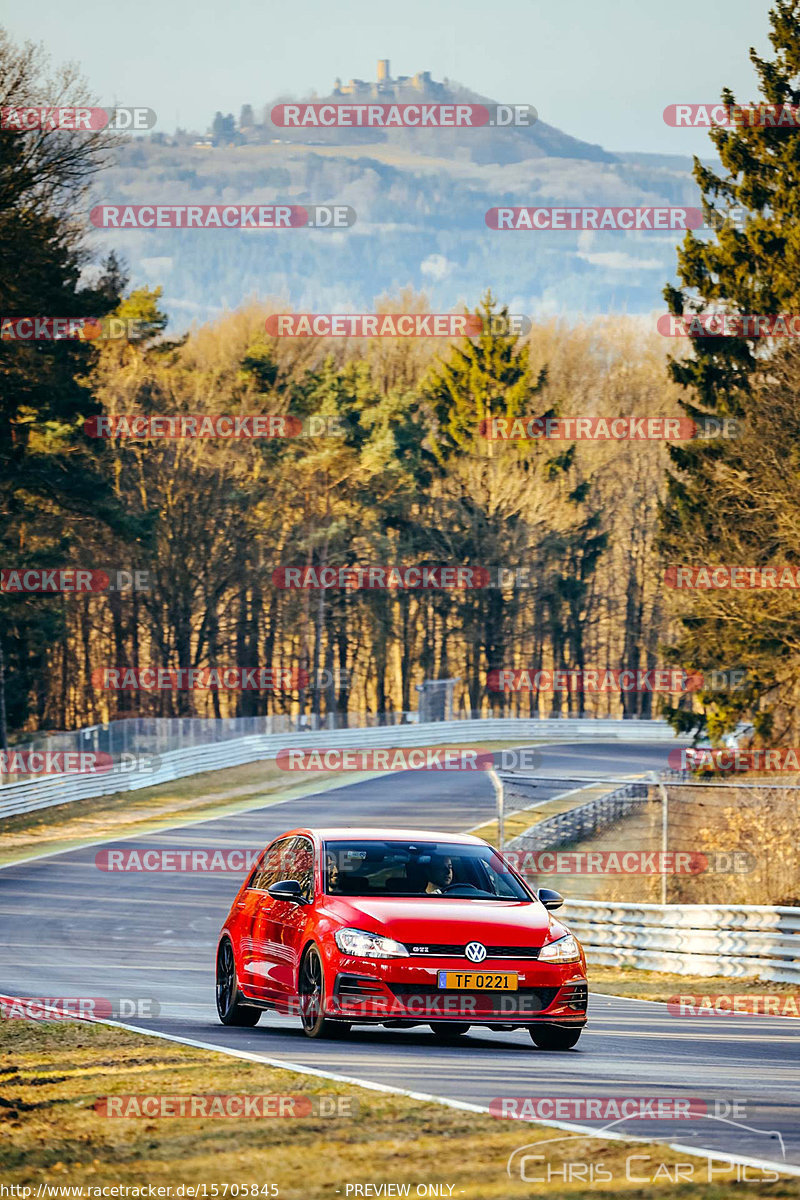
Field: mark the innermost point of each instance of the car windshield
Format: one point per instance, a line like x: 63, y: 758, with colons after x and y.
x: 430, y: 869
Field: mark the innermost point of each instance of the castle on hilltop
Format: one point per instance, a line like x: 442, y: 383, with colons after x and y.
x: 251, y: 130
x: 386, y: 88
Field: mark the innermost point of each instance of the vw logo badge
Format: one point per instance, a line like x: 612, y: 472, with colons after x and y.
x: 475, y: 952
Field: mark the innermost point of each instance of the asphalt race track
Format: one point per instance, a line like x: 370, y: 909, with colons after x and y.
x: 70, y: 929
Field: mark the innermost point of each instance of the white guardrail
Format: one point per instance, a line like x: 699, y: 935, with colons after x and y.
x: 16, y: 798
x: 736, y: 941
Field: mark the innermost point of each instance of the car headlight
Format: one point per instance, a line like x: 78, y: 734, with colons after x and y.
x: 368, y: 945
x: 565, y: 949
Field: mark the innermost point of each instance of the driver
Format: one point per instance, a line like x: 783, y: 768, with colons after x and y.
x: 440, y: 875
x: 332, y: 868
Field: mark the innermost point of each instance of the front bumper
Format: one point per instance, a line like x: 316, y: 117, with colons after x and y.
x: 378, y: 991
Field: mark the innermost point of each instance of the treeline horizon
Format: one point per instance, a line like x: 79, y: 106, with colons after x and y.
x: 406, y: 478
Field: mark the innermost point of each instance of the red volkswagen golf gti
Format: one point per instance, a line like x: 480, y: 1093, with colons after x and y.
x: 398, y: 927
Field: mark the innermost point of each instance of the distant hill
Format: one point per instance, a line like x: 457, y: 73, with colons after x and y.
x: 420, y: 197
x: 482, y: 145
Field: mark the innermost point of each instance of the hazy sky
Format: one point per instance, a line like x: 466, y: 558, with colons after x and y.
x: 601, y: 70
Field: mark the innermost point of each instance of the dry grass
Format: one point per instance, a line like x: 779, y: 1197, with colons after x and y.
x: 765, y: 823
x: 52, y: 1076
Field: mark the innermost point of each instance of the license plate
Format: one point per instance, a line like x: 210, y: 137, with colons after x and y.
x: 484, y: 981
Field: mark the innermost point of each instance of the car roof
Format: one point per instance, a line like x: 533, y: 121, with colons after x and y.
x: 362, y: 834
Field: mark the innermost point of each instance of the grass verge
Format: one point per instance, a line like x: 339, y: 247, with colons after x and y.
x: 53, y: 1075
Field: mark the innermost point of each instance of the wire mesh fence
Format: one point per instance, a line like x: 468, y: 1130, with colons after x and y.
x: 668, y: 839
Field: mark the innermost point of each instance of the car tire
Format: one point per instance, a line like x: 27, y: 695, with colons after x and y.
x: 311, y: 997
x: 554, y: 1037
x: 449, y: 1029
x: 230, y: 1009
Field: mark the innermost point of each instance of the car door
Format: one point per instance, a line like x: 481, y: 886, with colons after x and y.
x: 260, y: 948
x: 290, y: 919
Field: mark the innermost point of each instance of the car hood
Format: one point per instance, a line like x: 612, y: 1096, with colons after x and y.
x: 496, y: 922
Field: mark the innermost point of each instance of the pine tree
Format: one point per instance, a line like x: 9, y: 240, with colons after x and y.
x: 52, y: 481
x: 748, y: 267
x: 482, y: 379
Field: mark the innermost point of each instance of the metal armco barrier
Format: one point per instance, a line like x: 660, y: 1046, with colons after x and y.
x: 26, y: 796
x: 737, y: 941
x: 585, y: 820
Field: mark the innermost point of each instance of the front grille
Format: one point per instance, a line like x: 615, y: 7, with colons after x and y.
x: 448, y: 950
x: 512, y: 951
x: 525, y: 1000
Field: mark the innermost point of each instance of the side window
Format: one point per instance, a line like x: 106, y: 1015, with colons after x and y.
x: 257, y: 869
x: 272, y: 866
x: 298, y: 862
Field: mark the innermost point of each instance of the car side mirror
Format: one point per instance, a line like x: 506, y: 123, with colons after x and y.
x: 548, y: 897
x: 287, y: 889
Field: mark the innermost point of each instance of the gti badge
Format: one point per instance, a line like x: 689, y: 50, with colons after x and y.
x: 475, y: 952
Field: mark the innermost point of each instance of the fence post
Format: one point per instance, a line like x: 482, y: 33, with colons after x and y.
x: 664, y: 832
x: 498, y: 791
